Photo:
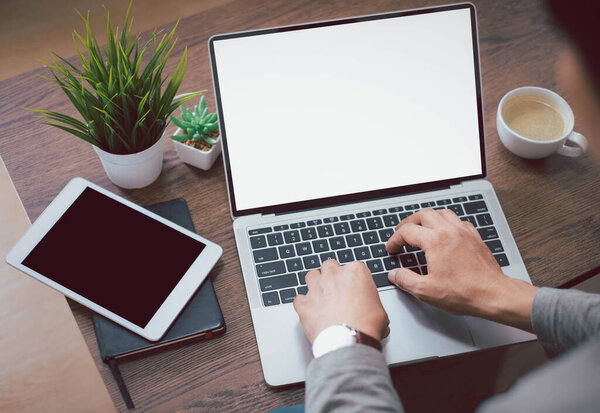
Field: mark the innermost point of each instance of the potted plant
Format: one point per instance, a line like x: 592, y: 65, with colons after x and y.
x: 196, y: 139
x: 124, y: 104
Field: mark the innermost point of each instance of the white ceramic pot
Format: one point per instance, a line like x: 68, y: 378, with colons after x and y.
x: 196, y: 157
x: 135, y: 170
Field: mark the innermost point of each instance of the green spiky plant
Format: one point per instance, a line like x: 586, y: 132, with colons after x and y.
x: 196, y: 124
x: 123, y: 106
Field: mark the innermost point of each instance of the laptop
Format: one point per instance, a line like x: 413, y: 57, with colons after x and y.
x: 333, y: 132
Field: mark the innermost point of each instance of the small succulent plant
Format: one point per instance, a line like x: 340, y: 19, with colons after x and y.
x: 196, y: 124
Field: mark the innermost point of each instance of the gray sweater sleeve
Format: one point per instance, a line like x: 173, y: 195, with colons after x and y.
x: 563, y: 319
x: 351, y: 379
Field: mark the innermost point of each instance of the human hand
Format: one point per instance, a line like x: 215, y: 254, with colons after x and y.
x: 463, y: 276
x: 341, y: 294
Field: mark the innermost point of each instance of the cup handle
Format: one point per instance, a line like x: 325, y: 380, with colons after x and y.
x: 572, y: 151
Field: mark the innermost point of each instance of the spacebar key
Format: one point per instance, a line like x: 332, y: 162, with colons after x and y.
x: 270, y: 268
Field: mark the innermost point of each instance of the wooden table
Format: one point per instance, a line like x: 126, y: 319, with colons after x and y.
x: 551, y: 205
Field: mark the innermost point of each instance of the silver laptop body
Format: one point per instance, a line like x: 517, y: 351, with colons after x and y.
x: 333, y: 131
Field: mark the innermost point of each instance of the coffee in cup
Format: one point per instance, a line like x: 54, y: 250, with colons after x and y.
x: 534, y: 122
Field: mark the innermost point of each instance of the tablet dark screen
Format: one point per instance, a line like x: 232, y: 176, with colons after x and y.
x: 114, y: 256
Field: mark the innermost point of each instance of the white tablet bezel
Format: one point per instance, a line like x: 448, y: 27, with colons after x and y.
x: 173, y: 304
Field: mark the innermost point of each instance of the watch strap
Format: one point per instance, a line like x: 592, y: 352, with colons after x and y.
x: 366, y: 339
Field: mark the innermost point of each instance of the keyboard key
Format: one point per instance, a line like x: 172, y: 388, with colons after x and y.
x: 259, y: 231
x: 424, y: 270
x: 312, y: 261
x: 258, y: 242
x: 277, y: 282
x: 281, y: 227
x: 267, y: 254
x: 396, y: 209
x: 271, y: 298
x: 429, y: 204
x: 484, y: 220
x: 495, y: 246
x: 358, y: 225
x: 385, y: 234
x: 302, y: 277
x: 390, y: 220
x: 270, y: 268
x: 458, y: 209
x: 444, y: 202
x: 408, y: 260
x: 381, y: 279
x: 294, y: 264
x: 375, y: 265
x: 287, y: 296
x: 328, y: 256
x: 378, y: 251
x: 487, y: 233
x: 308, y: 233
x: 471, y: 219
x: 391, y: 262
x: 362, y: 253
x: 287, y: 251
x: 314, y: 222
x: 411, y: 207
x: 380, y: 212
x: 275, y: 239
x: 416, y: 269
x: 341, y: 228
x: 325, y: 231
x: 476, y: 196
x: 421, y: 258
x: 410, y: 248
x: 374, y: 223
x: 330, y: 219
x: 405, y: 214
x: 460, y: 199
x: 302, y: 290
x: 370, y: 237
x: 353, y: 240
x: 337, y: 243
x: 363, y: 214
x: 347, y: 217
x: 291, y: 236
x: 476, y: 207
x: 298, y: 225
x: 345, y: 256
x: 320, y: 245
x: 439, y: 208
x: 502, y: 259
x: 303, y: 248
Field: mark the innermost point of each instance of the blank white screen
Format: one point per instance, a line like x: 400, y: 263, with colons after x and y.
x: 349, y: 108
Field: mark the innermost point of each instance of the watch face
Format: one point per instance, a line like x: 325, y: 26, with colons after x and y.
x: 332, y: 338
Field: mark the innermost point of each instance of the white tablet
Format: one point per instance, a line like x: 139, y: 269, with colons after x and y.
x: 120, y: 260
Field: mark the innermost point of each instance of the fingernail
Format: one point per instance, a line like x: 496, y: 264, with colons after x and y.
x: 392, y: 275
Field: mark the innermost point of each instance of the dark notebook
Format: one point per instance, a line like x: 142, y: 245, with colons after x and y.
x: 200, y: 319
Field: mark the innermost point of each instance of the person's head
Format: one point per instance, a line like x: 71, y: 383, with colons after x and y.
x: 579, y: 66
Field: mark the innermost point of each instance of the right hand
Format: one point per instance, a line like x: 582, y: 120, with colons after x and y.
x: 463, y: 276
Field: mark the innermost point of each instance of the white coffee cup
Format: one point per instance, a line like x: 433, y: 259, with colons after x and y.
x: 532, y: 148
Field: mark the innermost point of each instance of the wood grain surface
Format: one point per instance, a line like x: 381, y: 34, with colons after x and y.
x: 551, y: 206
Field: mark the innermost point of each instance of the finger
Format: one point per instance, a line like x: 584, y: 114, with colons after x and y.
x: 313, y: 281
x: 410, y: 233
x: 450, y: 216
x: 407, y: 280
x: 329, y: 266
x: 427, y: 217
x: 299, y: 302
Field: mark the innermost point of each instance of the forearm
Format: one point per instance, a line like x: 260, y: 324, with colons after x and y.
x: 351, y: 379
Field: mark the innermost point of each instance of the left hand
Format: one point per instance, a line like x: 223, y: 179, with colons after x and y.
x: 341, y: 294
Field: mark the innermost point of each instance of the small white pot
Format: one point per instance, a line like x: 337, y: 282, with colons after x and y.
x: 135, y: 170
x: 196, y: 157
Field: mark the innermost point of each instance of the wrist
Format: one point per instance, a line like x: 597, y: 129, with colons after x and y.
x: 339, y: 336
x: 510, y: 302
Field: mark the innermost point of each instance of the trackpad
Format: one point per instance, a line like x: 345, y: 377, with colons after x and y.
x: 419, y: 331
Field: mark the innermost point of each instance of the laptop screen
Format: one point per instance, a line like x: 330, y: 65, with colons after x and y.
x: 348, y: 110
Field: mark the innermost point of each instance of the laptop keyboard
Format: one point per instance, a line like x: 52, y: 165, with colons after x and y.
x: 283, y: 254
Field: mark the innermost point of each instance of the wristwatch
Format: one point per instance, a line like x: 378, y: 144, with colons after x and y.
x: 338, y: 336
